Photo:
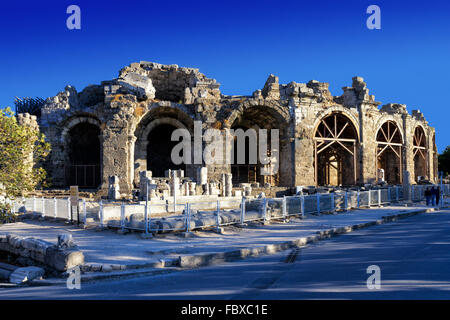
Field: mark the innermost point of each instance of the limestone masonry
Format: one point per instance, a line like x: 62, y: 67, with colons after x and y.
x: 122, y: 128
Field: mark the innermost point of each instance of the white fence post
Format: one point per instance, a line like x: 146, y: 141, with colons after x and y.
x: 358, y: 198
x: 68, y: 209
x: 318, y: 202
x: 333, y: 204
x: 188, y: 217
x: 242, y: 210
x: 101, y: 213
x: 122, y: 217
x: 174, y: 195
x: 55, y: 208
x: 149, y: 217
x: 302, y: 205
x: 265, y: 209
x: 84, y: 212
x: 346, y: 201
x: 218, y: 215
x: 146, y: 208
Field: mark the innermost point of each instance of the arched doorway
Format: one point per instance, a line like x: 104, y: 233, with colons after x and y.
x: 84, y: 156
x: 153, y: 146
x: 389, y: 152
x: 253, y: 170
x: 335, y: 142
x: 420, y: 154
x: 159, y: 150
x: 247, y: 171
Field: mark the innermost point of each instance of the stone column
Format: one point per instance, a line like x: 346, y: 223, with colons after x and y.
x: 192, y: 188
x: 115, y: 157
x: 228, y: 184
x: 368, y: 144
x: 408, y: 153
x: 131, y: 149
x: 144, y: 177
x: 175, y: 185
x: 406, y: 186
x: 202, y: 175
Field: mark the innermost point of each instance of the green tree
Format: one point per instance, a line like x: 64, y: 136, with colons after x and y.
x: 444, y: 161
x: 22, y: 149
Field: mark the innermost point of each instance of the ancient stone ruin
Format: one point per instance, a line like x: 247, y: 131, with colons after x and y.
x: 122, y: 129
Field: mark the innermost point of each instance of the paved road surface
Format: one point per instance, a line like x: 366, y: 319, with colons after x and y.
x: 413, y: 254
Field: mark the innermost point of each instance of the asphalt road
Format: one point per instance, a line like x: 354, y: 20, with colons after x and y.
x: 413, y: 255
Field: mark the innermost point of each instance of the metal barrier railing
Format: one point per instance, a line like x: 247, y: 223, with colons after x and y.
x: 195, y: 215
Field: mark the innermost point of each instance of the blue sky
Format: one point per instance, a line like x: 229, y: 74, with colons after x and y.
x: 239, y: 43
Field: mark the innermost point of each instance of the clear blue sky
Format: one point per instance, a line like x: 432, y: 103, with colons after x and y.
x: 239, y: 43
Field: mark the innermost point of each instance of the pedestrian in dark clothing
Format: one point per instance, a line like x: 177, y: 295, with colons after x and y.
x: 433, y: 196
x: 428, y: 196
x: 438, y: 195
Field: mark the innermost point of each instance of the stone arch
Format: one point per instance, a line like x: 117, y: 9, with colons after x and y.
x: 82, y: 138
x: 336, y: 109
x: 277, y: 110
x: 165, y: 119
x: 262, y: 114
x: 389, y: 151
x: 73, y: 121
x: 383, y: 119
x: 420, y: 153
x: 336, y: 142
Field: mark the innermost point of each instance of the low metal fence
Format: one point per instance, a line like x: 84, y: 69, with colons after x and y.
x: 197, y: 215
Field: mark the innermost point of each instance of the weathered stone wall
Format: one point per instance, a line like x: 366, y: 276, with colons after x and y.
x: 147, y: 94
x: 41, y: 252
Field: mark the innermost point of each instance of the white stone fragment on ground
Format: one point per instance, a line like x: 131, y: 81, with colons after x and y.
x: 65, y: 241
x: 22, y: 275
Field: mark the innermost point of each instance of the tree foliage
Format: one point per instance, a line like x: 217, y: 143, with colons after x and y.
x: 21, y: 148
x: 444, y: 161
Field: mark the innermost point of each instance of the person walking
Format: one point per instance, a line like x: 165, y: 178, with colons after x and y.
x: 433, y: 196
x: 428, y: 196
x: 438, y: 195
